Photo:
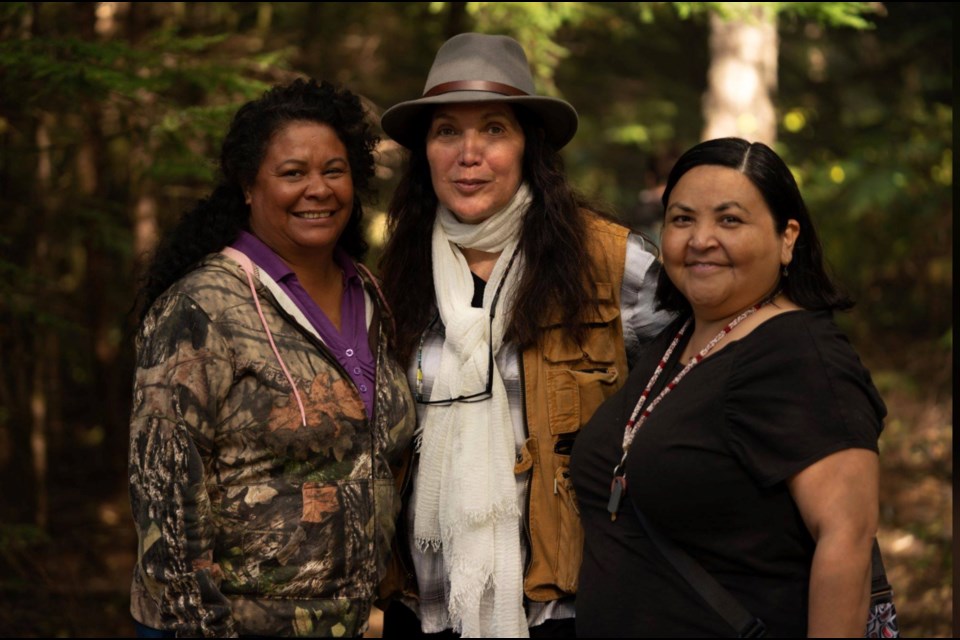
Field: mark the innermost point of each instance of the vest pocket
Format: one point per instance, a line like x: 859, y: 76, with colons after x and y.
x: 579, y: 377
x: 574, y: 395
x: 569, y: 534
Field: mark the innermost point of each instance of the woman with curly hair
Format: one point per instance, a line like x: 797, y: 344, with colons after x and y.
x: 268, y: 416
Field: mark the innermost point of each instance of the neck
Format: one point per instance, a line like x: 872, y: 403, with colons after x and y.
x: 316, y: 265
x: 323, y: 281
x: 706, y: 326
x: 706, y: 319
x: 480, y: 262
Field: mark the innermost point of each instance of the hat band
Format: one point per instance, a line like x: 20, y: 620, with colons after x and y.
x: 474, y: 85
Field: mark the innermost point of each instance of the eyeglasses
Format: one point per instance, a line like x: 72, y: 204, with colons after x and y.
x: 488, y: 390
x: 473, y: 397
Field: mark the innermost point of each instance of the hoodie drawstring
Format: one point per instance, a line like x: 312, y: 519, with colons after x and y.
x: 247, y: 265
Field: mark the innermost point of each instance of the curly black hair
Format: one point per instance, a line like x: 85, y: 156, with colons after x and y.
x: 216, y: 220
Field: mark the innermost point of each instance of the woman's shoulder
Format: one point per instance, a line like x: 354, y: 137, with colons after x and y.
x: 212, y: 286
x: 803, y: 354
x: 372, y: 285
x: 601, y: 223
x: 608, y: 244
x: 801, y: 333
x: 796, y: 392
x: 186, y: 317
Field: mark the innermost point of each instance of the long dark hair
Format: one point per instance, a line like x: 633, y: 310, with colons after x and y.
x: 216, y: 220
x: 808, y: 284
x: 559, y: 270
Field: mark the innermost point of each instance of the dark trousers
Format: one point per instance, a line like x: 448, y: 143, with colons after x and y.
x: 144, y: 631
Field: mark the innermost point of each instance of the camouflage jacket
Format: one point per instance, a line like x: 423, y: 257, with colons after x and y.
x: 248, y: 521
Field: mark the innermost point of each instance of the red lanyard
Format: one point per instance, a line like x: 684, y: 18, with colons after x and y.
x: 618, y: 486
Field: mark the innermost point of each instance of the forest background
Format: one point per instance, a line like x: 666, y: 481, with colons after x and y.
x: 111, y: 114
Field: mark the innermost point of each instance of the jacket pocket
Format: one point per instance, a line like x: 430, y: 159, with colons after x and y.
x: 320, y: 546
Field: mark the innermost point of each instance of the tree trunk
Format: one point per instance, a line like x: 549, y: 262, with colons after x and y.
x: 742, y: 78
x: 456, y: 20
x: 41, y: 267
x: 146, y: 228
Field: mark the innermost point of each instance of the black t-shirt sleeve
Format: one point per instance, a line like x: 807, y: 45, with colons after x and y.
x: 797, y: 395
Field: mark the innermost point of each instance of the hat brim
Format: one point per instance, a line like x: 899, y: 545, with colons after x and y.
x: 557, y: 117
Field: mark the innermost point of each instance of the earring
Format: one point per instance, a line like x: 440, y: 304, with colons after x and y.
x: 784, y: 271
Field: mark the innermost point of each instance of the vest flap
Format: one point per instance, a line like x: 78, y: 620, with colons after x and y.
x: 603, y: 312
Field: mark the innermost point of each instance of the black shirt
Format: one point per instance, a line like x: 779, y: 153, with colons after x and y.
x: 709, y: 470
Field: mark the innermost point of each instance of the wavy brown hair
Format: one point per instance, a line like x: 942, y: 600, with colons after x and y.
x: 559, y: 273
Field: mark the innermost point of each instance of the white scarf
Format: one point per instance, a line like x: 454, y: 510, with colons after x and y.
x: 466, y: 505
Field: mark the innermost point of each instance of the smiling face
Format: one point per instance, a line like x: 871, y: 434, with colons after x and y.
x: 720, y: 247
x: 302, y: 198
x: 475, y: 151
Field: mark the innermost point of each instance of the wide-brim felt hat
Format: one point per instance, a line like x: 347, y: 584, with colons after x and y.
x: 475, y: 67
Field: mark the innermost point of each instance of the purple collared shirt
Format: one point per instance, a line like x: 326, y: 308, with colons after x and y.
x: 349, y: 345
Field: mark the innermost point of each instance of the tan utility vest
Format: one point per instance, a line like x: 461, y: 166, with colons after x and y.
x: 563, y: 384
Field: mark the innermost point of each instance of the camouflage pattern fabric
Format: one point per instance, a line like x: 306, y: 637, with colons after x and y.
x: 249, y: 522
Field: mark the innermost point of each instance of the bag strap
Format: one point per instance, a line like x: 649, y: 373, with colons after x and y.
x: 728, y: 607
x: 742, y: 621
x: 880, y: 588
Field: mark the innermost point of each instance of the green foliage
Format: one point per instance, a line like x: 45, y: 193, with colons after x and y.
x: 20, y: 538
x: 868, y: 132
x: 534, y: 25
x: 95, y: 130
x: 12, y: 15
x: 831, y: 14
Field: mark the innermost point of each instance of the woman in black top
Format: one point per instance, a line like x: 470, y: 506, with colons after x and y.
x: 755, y: 446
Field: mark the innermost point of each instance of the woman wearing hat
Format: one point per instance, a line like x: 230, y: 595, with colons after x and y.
x: 518, y: 309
